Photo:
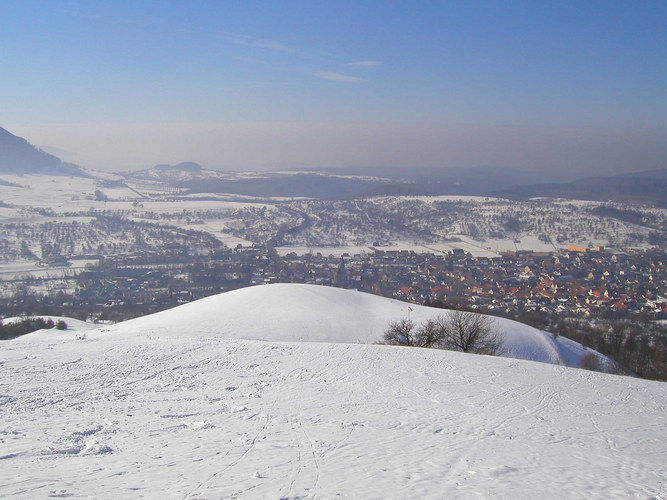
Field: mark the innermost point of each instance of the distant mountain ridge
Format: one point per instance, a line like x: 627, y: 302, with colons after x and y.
x: 638, y: 187
x: 191, y: 177
x: 18, y: 156
x: 340, y: 183
x: 454, y: 181
x: 186, y: 166
x: 346, y: 183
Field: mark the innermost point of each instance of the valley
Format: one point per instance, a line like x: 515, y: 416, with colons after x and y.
x: 107, y: 248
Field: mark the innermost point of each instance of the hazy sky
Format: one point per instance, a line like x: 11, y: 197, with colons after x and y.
x: 535, y: 85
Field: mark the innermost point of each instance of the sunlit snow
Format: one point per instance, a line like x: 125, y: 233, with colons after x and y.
x: 185, y: 404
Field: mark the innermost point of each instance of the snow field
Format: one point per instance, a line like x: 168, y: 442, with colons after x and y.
x: 311, y: 313
x: 429, y: 223
x: 194, y: 416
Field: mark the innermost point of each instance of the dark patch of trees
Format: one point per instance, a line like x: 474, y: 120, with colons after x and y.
x: 626, y: 215
x: 306, y: 185
x: 641, y: 348
x: 512, y: 225
x: 101, y: 196
x: 28, y: 325
x: 637, y: 346
x: 657, y: 239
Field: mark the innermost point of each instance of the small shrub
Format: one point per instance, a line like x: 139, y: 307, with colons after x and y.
x: 591, y: 362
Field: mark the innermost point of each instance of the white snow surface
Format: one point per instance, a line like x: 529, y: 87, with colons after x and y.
x: 312, y: 313
x: 173, y: 406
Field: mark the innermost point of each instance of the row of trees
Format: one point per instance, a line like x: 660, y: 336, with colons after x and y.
x: 639, y: 347
x: 457, y: 331
x: 28, y: 325
x: 466, y: 332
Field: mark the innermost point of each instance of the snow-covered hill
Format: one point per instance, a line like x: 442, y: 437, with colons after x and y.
x: 295, y: 312
x: 170, y: 406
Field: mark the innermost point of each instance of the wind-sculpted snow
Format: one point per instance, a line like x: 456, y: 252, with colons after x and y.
x: 145, y: 412
x: 294, y: 312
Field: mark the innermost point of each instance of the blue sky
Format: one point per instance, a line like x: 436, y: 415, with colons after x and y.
x: 236, y: 84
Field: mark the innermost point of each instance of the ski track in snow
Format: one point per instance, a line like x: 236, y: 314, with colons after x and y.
x: 208, y: 417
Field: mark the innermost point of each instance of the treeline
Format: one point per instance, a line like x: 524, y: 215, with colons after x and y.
x: 626, y: 215
x: 639, y: 346
x: 28, y: 325
x: 458, y: 331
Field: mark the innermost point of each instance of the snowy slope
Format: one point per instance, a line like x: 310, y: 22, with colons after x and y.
x: 294, y: 312
x: 161, y: 412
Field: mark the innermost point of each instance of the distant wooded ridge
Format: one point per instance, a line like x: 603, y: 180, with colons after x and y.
x: 18, y: 156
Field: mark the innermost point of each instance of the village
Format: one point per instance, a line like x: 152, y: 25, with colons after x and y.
x: 574, y: 282
x: 578, y: 282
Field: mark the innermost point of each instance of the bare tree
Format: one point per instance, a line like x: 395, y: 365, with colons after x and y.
x: 457, y: 331
x: 400, y: 333
x: 469, y: 332
x: 405, y: 332
x: 429, y: 334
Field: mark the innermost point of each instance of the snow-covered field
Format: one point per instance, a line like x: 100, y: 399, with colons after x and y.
x: 185, y: 404
x: 476, y: 224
